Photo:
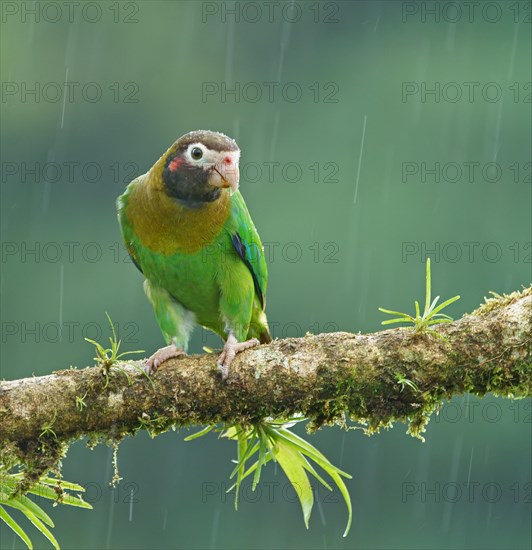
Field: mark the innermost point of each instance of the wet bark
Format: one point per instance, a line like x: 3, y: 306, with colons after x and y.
x: 374, y: 379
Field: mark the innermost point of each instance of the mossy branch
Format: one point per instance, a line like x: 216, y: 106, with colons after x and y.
x: 374, y: 379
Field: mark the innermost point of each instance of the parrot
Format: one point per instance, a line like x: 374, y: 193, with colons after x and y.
x: 188, y: 230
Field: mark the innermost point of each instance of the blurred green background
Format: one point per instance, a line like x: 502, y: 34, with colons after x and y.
x: 339, y: 132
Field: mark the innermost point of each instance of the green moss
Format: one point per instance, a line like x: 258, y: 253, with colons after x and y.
x: 498, y: 301
x: 35, y: 459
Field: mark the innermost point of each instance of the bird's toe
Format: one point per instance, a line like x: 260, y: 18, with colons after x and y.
x: 162, y: 355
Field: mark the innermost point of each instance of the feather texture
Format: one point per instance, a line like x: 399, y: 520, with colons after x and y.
x: 205, y: 263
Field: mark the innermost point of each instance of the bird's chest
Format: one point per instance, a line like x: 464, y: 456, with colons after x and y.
x: 192, y: 278
x: 184, y: 251
x: 165, y: 227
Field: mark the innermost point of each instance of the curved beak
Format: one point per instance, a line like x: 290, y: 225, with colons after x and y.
x: 225, y: 173
x: 226, y: 176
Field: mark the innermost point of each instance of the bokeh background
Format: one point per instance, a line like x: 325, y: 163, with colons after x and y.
x: 373, y: 134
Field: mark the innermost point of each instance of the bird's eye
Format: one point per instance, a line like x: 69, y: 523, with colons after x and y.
x: 196, y: 153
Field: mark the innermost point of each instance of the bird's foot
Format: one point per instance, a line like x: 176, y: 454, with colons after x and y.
x: 231, y: 348
x: 162, y: 355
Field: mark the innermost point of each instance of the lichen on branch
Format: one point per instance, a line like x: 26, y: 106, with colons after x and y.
x: 374, y: 379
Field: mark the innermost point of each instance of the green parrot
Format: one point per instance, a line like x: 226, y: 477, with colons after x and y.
x: 188, y: 230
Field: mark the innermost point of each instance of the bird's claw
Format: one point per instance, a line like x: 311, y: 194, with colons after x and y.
x: 162, y: 355
x: 231, y: 348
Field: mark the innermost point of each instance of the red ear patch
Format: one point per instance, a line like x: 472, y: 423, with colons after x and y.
x: 175, y: 164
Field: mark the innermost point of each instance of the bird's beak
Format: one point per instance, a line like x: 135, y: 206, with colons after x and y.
x: 226, y: 175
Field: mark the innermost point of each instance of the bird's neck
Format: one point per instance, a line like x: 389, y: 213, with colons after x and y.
x: 169, y: 226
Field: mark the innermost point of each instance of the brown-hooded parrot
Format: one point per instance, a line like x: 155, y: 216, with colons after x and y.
x: 188, y: 230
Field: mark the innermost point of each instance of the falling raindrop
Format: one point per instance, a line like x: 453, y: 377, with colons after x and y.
x: 236, y: 128
x: 497, y: 132
x: 285, y: 37
x: 449, y: 503
x: 110, y: 521
x: 320, y: 510
x: 450, y: 37
x: 64, y: 99
x: 131, y: 504
x: 470, y: 464
x: 215, y: 527
x: 61, y: 286
x: 377, y: 23
x: 342, y: 447
x: 229, y: 55
x: 361, y: 153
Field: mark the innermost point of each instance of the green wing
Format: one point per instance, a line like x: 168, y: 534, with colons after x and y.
x: 247, y: 242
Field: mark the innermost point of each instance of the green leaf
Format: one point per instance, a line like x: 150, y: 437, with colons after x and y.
x: 291, y: 462
x: 23, y: 503
x: 308, y: 466
x: 241, y: 451
x: 431, y: 310
x: 436, y: 321
x: 15, y: 526
x: 247, y: 451
x: 112, y: 328
x: 41, y: 527
x: 433, y: 305
x: 231, y: 432
x: 427, y: 286
x: 200, y: 433
x: 392, y: 312
x: 263, y: 450
x: 445, y: 304
x: 273, y: 441
x: 46, y: 492
x: 442, y: 315
x: 392, y: 321
x: 306, y: 448
x: 250, y: 470
x: 46, y: 487
x: 345, y: 493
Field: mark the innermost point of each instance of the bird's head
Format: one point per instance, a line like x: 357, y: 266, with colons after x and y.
x: 199, y: 165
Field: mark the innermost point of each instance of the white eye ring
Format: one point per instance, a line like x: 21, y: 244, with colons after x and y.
x: 196, y: 152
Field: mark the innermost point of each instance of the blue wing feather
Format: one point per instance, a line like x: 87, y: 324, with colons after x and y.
x: 248, y: 245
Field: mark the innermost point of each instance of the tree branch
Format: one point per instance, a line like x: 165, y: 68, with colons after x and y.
x: 373, y: 378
